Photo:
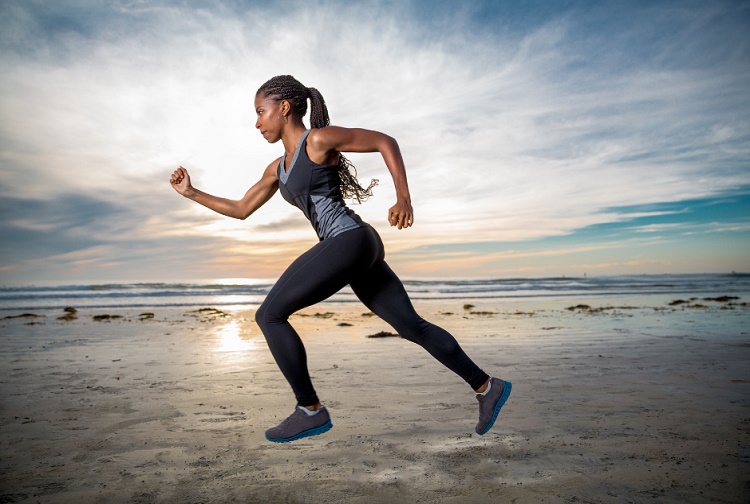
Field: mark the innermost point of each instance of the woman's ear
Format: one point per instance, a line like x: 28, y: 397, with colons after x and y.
x: 285, y: 108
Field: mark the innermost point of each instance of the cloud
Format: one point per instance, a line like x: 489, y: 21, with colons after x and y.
x: 34, y: 228
x: 516, y: 122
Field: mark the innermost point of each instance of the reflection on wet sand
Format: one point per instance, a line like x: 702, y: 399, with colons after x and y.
x: 230, y: 339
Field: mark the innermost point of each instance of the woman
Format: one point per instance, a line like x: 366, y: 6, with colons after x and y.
x: 314, y: 176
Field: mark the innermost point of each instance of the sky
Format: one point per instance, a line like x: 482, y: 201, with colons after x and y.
x: 540, y: 138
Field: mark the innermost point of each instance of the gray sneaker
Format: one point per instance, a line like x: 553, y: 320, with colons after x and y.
x: 490, y: 404
x: 299, y: 425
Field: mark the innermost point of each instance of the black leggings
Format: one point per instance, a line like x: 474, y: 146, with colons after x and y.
x: 355, y: 258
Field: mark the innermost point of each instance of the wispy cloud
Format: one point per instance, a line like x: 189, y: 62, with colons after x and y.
x: 515, y: 125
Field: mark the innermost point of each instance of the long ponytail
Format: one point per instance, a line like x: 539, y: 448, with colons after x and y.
x: 286, y: 87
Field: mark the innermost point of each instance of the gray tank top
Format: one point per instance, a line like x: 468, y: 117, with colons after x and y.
x: 315, y: 190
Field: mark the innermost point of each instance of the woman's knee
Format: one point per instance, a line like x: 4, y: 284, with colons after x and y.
x: 268, y: 313
x: 431, y: 337
x: 414, y: 330
x: 260, y: 315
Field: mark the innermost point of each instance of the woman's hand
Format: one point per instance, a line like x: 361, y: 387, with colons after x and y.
x: 180, y: 181
x: 401, y: 215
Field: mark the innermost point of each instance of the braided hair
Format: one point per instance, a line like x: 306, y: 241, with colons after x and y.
x: 286, y: 87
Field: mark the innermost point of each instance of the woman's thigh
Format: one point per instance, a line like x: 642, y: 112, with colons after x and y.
x: 383, y: 292
x: 321, y: 272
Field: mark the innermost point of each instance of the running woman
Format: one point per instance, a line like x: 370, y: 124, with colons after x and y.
x: 314, y: 176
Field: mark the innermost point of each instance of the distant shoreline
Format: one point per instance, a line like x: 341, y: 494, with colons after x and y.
x: 252, y: 292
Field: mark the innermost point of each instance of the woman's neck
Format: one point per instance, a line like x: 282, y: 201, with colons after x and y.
x: 291, y: 135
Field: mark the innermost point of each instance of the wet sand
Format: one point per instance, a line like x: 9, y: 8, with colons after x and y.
x: 624, y: 401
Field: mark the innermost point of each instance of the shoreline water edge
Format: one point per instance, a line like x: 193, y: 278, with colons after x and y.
x: 253, y: 291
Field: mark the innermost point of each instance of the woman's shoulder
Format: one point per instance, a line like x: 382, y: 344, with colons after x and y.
x: 273, y: 168
x: 316, y: 137
x: 326, y: 136
x: 321, y: 144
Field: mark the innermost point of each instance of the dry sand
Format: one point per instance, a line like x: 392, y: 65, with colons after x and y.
x: 643, y: 403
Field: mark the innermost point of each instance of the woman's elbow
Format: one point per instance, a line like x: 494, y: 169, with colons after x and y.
x: 244, y: 212
x: 388, y: 144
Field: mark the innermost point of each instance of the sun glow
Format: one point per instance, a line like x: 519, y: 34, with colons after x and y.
x: 231, y: 341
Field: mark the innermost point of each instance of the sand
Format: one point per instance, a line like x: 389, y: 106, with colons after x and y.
x: 642, y: 403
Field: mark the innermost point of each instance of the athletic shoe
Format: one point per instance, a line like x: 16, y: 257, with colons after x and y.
x: 299, y: 425
x: 490, y: 404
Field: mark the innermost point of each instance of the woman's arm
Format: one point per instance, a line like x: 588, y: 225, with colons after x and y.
x: 324, y: 141
x: 253, y: 199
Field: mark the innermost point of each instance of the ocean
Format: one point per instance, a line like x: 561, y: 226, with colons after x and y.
x: 252, y: 292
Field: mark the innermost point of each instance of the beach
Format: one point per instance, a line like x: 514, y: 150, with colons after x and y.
x: 615, y: 399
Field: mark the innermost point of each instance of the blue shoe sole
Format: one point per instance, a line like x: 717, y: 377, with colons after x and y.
x: 500, y: 403
x: 310, y: 432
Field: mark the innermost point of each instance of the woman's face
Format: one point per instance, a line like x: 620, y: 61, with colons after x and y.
x: 269, y: 121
